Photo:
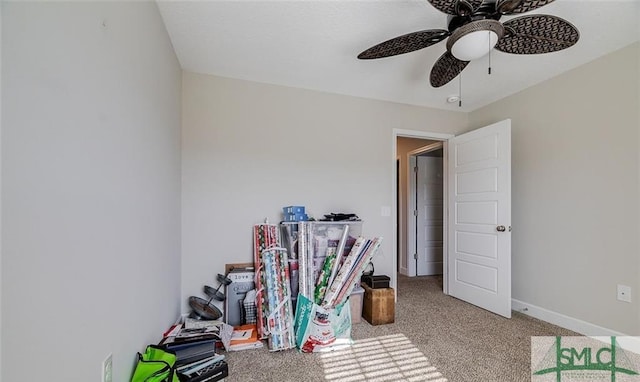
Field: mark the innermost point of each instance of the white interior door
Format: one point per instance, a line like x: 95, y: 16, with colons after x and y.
x: 479, y: 223
x: 429, y: 232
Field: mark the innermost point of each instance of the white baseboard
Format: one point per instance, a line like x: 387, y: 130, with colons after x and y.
x: 579, y: 326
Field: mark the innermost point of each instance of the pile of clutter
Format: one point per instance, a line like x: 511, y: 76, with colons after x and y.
x: 320, y: 260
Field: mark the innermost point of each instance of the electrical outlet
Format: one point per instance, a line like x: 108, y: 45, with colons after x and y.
x: 107, y: 369
x: 624, y: 293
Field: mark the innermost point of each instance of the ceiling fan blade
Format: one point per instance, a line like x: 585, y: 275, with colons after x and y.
x: 512, y: 7
x: 537, y: 34
x: 405, y: 44
x: 451, y: 6
x: 445, y: 69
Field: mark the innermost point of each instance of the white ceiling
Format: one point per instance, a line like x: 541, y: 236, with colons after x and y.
x: 314, y: 44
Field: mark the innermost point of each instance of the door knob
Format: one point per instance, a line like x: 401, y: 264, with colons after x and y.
x: 501, y: 228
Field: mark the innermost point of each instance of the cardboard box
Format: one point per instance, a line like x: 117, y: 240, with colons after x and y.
x: 295, y: 217
x: 379, y: 305
x: 293, y: 210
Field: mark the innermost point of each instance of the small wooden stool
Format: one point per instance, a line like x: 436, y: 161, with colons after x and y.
x: 379, y: 305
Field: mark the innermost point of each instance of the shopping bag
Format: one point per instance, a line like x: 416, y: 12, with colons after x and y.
x: 155, y: 365
x: 319, y: 329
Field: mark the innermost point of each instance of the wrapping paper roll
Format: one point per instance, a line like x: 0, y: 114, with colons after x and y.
x: 323, y: 279
x: 264, y: 236
x: 303, y: 260
x: 341, y: 244
x: 356, y: 271
x: 343, y: 272
x: 279, y: 312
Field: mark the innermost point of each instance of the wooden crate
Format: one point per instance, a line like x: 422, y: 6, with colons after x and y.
x: 379, y: 305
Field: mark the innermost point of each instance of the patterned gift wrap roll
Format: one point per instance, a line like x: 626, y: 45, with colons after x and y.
x: 302, y: 259
x: 336, y: 285
x: 357, y: 270
x: 311, y: 281
x: 277, y: 310
x: 259, y: 244
x: 278, y: 301
x: 270, y: 301
x: 280, y: 314
x: 339, y: 251
x: 265, y: 236
x: 285, y: 307
x: 323, y: 278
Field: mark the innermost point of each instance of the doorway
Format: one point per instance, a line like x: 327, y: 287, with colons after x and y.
x: 477, y: 239
x: 425, y: 211
x: 408, y: 148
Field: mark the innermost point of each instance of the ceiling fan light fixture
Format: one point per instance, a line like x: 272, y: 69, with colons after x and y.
x: 474, y: 45
x: 475, y: 39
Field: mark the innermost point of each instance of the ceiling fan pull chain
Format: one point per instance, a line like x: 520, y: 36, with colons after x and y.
x: 490, y: 49
x: 460, y: 89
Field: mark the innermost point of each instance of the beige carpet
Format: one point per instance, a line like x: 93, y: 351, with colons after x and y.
x: 435, y: 338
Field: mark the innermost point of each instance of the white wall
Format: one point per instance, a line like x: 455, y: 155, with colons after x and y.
x: 1, y: 6
x: 249, y: 149
x: 575, y: 188
x: 90, y: 187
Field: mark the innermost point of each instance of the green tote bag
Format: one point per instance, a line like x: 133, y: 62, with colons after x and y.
x: 155, y: 365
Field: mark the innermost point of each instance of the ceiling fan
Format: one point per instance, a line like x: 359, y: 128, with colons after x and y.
x: 474, y: 29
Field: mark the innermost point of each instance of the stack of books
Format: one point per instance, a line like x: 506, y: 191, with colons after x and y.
x: 194, y: 343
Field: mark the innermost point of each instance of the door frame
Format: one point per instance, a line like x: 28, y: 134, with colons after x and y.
x: 411, y: 200
x: 394, y: 194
